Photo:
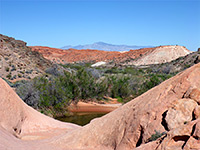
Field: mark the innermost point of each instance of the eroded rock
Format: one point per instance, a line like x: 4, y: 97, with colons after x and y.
x: 180, y: 113
x: 197, y: 112
x: 195, y: 95
x: 192, y: 144
x: 197, y: 131
x: 177, y: 137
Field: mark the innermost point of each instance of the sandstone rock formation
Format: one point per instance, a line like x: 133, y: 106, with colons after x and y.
x: 21, y: 121
x: 180, y: 113
x: 162, y: 54
x: 182, y: 137
x: 128, y: 127
x: 73, y: 55
x: 17, y: 61
x: 145, y: 56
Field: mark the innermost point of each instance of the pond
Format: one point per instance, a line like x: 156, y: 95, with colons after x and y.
x: 80, y: 118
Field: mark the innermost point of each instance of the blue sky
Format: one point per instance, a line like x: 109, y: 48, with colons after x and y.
x: 59, y: 23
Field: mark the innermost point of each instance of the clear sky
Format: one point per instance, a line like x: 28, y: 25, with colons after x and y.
x: 59, y: 23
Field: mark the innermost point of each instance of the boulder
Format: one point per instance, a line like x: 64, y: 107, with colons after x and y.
x: 177, y: 138
x: 180, y: 113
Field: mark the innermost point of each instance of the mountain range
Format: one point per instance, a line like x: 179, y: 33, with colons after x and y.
x: 105, y: 47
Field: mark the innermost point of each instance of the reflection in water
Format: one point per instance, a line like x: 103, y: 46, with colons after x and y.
x: 80, y: 119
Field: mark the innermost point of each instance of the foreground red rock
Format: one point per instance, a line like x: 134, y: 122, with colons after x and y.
x: 126, y: 128
x: 21, y: 121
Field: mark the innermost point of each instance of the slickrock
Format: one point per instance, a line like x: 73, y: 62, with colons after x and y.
x: 148, y: 146
x: 128, y: 127
x: 21, y: 121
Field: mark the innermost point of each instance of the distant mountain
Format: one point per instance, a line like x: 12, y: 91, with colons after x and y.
x: 105, y: 47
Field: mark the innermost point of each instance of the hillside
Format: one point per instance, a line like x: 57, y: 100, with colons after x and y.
x: 17, y: 61
x: 73, y: 55
x: 144, y: 56
x: 177, y: 65
x: 156, y: 55
x: 104, y: 46
x: 169, y: 111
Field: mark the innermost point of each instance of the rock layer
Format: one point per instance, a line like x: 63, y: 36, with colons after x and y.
x: 144, y: 56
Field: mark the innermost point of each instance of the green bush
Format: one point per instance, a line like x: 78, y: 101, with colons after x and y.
x: 119, y: 86
x: 19, y: 75
x: 9, y: 76
x: 7, y: 69
x: 119, y: 99
x: 80, y: 84
x: 152, y: 81
x: 156, y: 136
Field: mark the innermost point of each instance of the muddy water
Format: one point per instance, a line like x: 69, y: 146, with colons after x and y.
x: 80, y: 118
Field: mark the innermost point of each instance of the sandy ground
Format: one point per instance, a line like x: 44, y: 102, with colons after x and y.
x: 109, y: 106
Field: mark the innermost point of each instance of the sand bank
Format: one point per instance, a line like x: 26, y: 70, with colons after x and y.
x: 83, y: 107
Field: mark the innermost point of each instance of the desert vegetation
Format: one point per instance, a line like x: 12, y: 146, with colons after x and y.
x: 58, y: 88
